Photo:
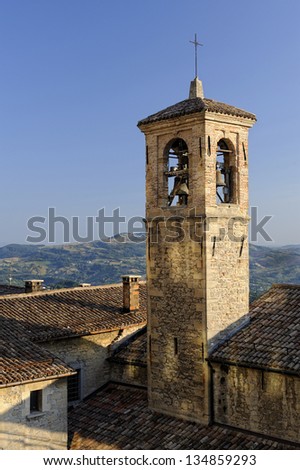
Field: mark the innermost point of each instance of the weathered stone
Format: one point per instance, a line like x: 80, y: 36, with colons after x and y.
x: 21, y: 429
x: 259, y: 401
x: 198, y: 279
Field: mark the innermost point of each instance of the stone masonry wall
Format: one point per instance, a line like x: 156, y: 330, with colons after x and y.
x: 198, y: 286
x: 129, y: 374
x: 263, y: 402
x: 45, y: 429
x: 227, y: 275
x: 176, y: 351
x: 89, y: 353
x: 226, y: 246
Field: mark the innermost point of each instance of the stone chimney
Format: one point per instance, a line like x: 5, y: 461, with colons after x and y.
x: 131, y: 297
x: 33, y: 285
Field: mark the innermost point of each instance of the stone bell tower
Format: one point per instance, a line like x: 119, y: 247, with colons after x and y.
x: 197, y: 248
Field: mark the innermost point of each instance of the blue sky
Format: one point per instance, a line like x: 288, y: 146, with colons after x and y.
x: 77, y: 75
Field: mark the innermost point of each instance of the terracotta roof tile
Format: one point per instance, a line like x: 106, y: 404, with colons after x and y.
x: 22, y: 361
x: 70, y: 312
x: 133, y: 351
x: 272, y: 337
x: 196, y: 105
x: 118, y: 417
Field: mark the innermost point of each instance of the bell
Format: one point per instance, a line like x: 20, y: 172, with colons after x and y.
x: 182, y: 190
x: 219, y: 179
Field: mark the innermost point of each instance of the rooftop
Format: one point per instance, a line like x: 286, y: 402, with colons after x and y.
x: 133, y: 351
x: 22, y: 361
x: 118, y: 417
x: 50, y: 315
x: 27, y: 319
x: 272, y: 338
x: 196, y: 105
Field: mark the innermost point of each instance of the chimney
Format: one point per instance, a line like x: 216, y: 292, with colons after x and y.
x: 131, y: 297
x: 84, y: 284
x: 33, y: 285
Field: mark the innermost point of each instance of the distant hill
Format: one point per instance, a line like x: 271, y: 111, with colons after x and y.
x: 273, y: 265
x: 105, y: 262
x: 68, y: 265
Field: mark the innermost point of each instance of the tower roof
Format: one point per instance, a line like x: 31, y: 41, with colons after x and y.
x: 196, y: 105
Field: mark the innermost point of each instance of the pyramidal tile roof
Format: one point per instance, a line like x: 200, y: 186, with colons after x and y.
x: 196, y: 105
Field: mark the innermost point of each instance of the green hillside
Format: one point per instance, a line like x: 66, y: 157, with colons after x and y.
x: 273, y: 265
x: 105, y: 262
x: 70, y: 264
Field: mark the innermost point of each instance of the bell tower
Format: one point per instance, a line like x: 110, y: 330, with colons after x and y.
x: 197, y: 247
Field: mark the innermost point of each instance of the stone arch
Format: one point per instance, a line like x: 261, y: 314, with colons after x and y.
x: 226, y: 172
x: 176, y: 164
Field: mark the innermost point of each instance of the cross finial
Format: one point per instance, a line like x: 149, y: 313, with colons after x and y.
x: 196, y: 44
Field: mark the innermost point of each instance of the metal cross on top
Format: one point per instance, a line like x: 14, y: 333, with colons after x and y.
x: 196, y: 44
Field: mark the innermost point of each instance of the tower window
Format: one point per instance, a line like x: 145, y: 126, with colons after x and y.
x: 208, y: 146
x: 177, y: 173
x: 224, y: 174
x: 244, y: 152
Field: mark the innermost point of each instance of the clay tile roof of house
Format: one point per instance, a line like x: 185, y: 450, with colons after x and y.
x: 22, y: 361
x: 196, y: 105
x: 10, y: 290
x: 118, y: 417
x: 271, y: 340
x: 50, y: 315
x: 133, y: 351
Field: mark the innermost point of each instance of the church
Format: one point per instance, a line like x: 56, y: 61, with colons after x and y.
x: 181, y: 361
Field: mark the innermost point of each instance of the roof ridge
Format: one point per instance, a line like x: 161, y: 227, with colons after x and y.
x: 286, y: 286
x: 57, y: 291
x: 211, y: 100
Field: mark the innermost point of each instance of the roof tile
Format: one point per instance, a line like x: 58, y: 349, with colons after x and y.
x: 196, y: 105
x: 22, y: 361
x: 65, y: 313
x: 118, y: 417
x: 271, y: 339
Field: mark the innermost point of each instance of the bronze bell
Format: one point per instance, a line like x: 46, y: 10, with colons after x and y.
x: 182, y: 190
x: 219, y: 179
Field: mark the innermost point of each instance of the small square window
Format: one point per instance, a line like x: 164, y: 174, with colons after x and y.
x: 36, y: 401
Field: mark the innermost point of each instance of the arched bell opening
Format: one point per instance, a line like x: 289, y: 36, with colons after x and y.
x: 225, y: 174
x: 177, y: 172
